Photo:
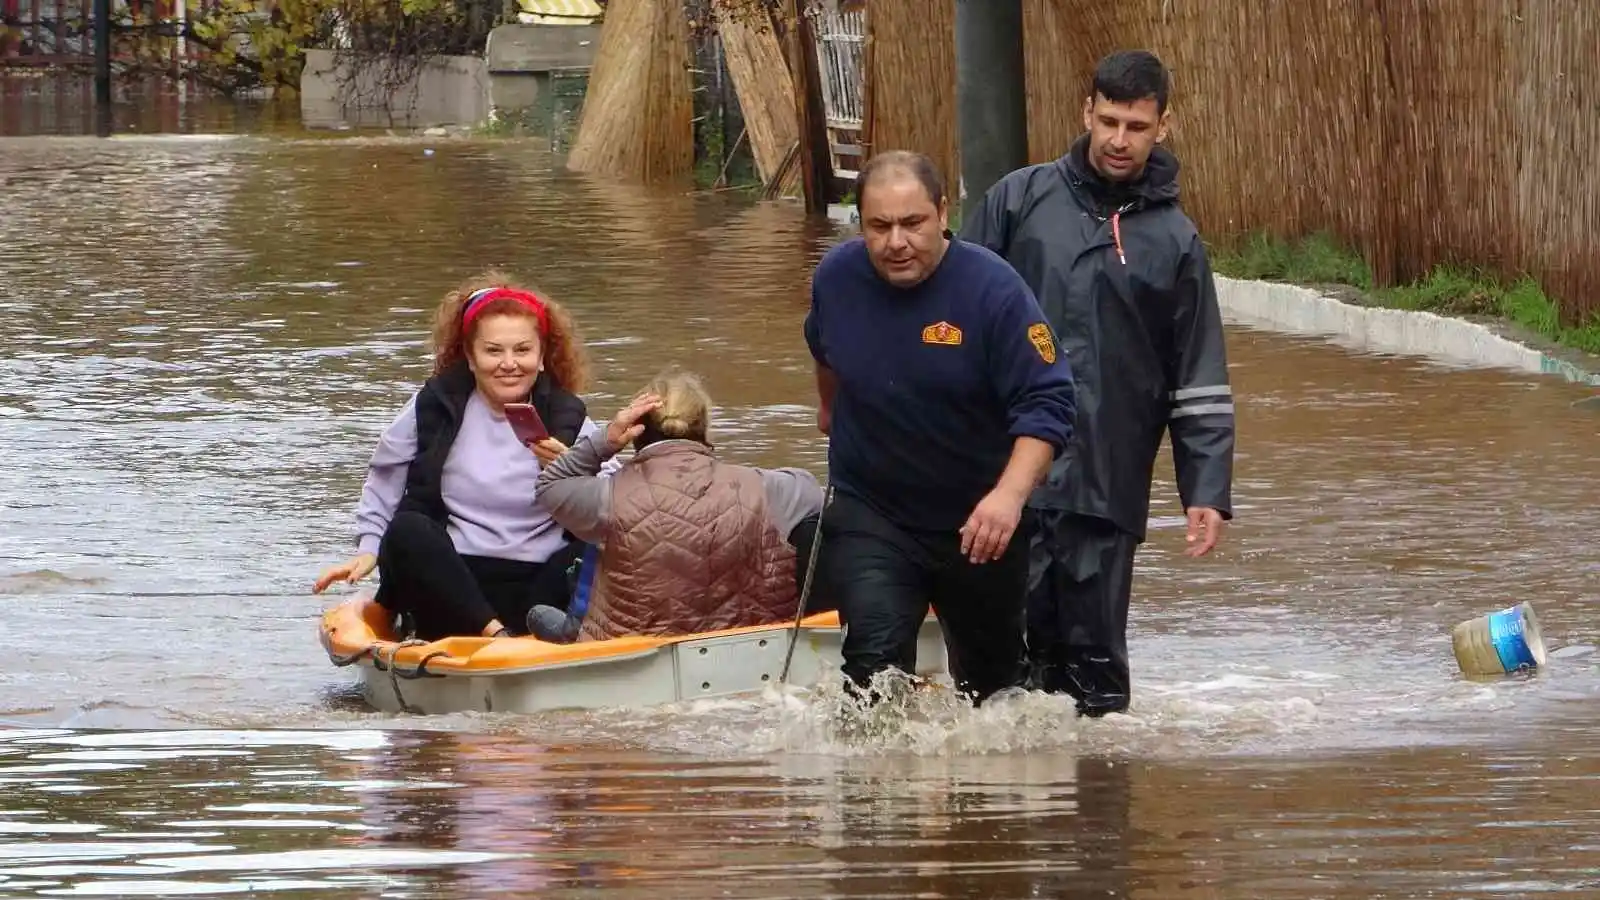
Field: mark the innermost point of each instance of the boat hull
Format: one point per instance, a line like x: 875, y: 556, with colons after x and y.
x: 526, y: 675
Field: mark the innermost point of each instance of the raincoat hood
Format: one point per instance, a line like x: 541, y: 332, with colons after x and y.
x: 1157, y: 184
x: 1124, y: 280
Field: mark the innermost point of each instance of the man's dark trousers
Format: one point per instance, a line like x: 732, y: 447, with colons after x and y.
x: 885, y: 576
x: 1080, y: 581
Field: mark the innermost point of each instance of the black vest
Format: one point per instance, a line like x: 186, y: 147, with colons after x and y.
x: 440, y: 404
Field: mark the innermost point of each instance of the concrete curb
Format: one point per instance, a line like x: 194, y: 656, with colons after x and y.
x: 1298, y: 310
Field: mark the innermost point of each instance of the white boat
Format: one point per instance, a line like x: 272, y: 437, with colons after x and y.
x: 527, y: 675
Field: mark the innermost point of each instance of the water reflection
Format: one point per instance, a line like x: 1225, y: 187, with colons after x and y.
x: 431, y: 814
x: 61, y: 102
x: 166, y: 814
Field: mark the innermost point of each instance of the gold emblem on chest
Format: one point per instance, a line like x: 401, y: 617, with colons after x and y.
x: 942, y: 333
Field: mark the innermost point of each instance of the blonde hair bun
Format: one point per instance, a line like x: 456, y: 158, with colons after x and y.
x: 685, y: 411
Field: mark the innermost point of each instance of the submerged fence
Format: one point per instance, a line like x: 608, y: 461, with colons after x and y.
x: 60, y: 33
x: 1421, y: 131
x: 45, y: 32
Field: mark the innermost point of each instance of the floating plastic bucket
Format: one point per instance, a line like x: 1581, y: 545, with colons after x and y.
x: 1500, y: 642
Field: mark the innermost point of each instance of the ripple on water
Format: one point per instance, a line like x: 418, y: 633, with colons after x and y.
x: 31, y: 848
x: 185, y: 429
x: 947, y: 816
x: 216, y: 464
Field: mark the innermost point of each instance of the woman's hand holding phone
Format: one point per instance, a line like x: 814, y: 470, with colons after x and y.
x: 525, y: 421
x: 548, y: 450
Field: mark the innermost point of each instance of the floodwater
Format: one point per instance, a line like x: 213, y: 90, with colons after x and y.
x: 201, y: 337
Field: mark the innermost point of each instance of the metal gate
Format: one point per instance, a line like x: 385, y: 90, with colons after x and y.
x: 60, y: 33
x: 46, y: 32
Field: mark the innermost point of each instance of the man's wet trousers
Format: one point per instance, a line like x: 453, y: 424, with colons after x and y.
x: 1079, y: 583
x: 885, y: 577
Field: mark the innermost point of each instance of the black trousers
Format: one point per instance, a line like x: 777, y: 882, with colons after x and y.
x: 1080, y: 580
x: 884, y: 577
x: 446, y: 593
x: 801, y: 539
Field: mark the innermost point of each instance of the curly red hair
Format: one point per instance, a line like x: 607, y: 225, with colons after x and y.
x: 564, y: 355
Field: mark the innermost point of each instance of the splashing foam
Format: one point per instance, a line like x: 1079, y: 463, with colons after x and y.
x: 901, y: 714
x: 910, y: 716
x: 915, y: 717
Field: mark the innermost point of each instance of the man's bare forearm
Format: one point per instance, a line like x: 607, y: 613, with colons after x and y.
x: 1029, y: 464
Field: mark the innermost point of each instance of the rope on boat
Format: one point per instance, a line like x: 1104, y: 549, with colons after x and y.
x: 394, y: 675
x: 395, y: 670
x: 421, y: 671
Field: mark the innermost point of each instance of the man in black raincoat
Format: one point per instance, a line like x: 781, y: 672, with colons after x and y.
x: 1124, y: 281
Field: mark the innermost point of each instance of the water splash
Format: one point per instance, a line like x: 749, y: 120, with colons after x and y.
x: 898, y: 713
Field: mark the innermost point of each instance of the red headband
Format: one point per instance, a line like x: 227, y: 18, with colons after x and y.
x: 480, y: 300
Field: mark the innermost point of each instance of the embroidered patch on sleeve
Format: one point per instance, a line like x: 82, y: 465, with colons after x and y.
x: 1039, y: 337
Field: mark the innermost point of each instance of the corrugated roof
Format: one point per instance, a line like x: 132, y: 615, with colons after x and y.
x: 558, y: 12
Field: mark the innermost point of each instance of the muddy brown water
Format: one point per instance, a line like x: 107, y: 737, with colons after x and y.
x: 203, y: 336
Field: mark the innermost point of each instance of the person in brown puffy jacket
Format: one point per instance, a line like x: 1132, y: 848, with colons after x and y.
x: 689, y: 543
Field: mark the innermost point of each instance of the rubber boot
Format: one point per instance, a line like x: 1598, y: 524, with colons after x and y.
x: 553, y: 625
x: 1092, y: 682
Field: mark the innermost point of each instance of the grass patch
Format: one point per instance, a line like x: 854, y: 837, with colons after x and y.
x: 1319, y: 259
x: 1447, y: 290
x: 500, y: 124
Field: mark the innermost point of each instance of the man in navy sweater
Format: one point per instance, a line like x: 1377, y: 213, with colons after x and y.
x: 945, y: 401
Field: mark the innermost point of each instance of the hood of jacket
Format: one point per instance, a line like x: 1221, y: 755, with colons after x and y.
x: 1157, y: 184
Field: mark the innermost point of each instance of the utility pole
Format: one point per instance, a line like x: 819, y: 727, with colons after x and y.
x: 991, y: 93
x: 102, y: 65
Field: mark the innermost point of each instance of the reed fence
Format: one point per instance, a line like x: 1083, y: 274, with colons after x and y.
x: 1420, y: 131
x: 637, y: 118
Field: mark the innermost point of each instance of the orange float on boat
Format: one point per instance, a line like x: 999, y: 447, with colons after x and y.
x: 525, y: 674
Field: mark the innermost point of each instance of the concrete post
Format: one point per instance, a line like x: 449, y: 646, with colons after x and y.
x: 991, y: 97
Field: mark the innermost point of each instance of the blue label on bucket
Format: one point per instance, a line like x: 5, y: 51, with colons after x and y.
x: 1505, y: 632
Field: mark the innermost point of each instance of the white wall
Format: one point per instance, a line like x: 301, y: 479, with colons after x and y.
x: 1297, y: 310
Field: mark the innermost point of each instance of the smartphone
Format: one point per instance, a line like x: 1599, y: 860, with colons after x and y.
x: 526, y: 423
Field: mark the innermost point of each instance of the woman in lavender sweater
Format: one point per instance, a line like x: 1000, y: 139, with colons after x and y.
x: 447, y: 514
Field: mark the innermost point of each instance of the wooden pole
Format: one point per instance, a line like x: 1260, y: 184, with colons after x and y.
x: 816, y: 163
x: 817, y: 120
